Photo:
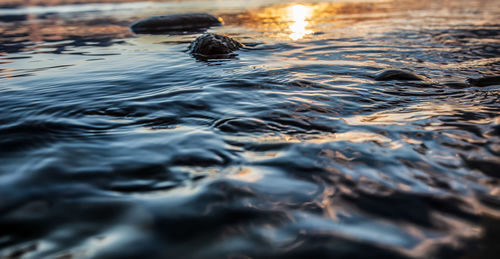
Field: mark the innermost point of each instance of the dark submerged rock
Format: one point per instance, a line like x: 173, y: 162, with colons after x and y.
x: 175, y: 23
x: 455, y: 85
x: 393, y: 74
x: 484, y: 81
x: 214, y: 45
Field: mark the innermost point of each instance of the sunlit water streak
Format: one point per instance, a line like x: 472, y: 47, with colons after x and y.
x: 299, y: 15
x: 115, y: 145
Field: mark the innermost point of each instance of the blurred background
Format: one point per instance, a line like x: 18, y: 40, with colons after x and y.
x: 117, y: 145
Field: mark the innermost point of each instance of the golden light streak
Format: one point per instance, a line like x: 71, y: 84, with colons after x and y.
x: 299, y: 14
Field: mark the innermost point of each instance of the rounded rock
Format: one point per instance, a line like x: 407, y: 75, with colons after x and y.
x: 393, y: 74
x: 210, y: 44
x: 484, y: 81
x: 455, y: 85
x: 175, y: 23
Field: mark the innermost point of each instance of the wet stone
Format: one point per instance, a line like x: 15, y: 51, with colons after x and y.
x: 484, y: 81
x: 176, y: 23
x: 214, y: 45
x: 455, y: 85
x: 393, y: 74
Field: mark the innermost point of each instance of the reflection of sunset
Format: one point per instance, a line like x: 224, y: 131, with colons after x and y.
x: 299, y: 15
x: 296, y: 21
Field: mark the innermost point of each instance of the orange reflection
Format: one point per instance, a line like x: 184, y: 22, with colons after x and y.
x: 296, y: 21
x: 417, y: 112
x: 248, y: 175
x: 299, y: 15
x: 351, y: 136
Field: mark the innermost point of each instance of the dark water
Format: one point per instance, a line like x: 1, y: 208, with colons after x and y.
x: 121, y: 146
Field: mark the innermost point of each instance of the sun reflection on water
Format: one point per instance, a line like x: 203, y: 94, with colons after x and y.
x: 299, y: 15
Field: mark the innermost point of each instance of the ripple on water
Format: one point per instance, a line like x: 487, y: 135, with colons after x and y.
x: 123, y: 146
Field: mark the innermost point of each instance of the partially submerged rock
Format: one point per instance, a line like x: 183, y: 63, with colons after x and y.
x: 455, y: 84
x: 484, y: 81
x: 214, y: 45
x: 393, y: 74
x: 175, y: 23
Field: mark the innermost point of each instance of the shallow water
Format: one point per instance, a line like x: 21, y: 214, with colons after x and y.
x: 115, y: 145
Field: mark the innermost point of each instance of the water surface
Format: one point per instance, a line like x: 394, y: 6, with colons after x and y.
x: 115, y: 145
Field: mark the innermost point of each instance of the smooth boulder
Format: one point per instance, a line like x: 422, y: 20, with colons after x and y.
x: 175, y: 23
x: 392, y: 74
x: 484, y: 81
x: 455, y: 85
x: 214, y: 45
